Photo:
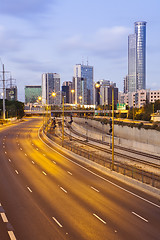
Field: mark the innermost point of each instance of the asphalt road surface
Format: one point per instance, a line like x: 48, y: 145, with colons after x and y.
x: 47, y: 196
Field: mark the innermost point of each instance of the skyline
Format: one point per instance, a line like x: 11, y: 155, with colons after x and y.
x: 52, y: 36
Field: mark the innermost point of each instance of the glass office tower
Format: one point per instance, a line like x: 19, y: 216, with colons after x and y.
x: 50, y: 84
x: 85, y: 72
x: 137, y: 58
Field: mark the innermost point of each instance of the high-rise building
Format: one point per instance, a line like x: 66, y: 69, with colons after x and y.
x: 137, y: 58
x: 32, y: 93
x: 80, y: 88
x: 67, y: 91
x: 104, y: 92
x: 50, y: 84
x: 83, y: 75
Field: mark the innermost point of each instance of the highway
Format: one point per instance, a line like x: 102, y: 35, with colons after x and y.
x: 45, y: 195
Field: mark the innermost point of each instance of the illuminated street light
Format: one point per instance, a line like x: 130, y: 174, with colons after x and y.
x: 53, y: 94
x: 80, y: 98
x: 39, y: 98
x: 97, y: 85
x: 72, y: 92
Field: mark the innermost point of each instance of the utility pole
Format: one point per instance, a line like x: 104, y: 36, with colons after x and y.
x: 4, y: 108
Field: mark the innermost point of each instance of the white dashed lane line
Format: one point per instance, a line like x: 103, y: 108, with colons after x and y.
x: 4, y: 218
x: 99, y: 218
x: 33, y: 162
x: 16, y: 171
x: 69, y: 173
x: 29, y: 189
x: 44, y: 173
x: 95, y: 189
x: 54, y: 162
x: 11, y: 235
x: 63, y: 189
x: 140, y: 217
x: 57, y: 222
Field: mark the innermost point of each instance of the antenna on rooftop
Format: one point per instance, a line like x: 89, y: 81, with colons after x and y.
x: 82, y: 60
x: 87, y: 61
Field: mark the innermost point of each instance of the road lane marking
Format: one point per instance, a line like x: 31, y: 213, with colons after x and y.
x: 29, y: 189
x: 9, y: 160
x: 44, y: 173
x: 37, y: 149
x: 21, y: 149
x: 33, y: 162
x: 140, y: 217
x: 11, y: 235
x: 4, y: 218
x: 3, y: 146
x: 25, y: 154
x: 94, y: 189
x: 112, y: 183
x: 54, y: 162
x: 16, y: 171
x: 99, y: 218
x: 57, y: 222
x: 5, y: 152
x: 63, y: 189
x: 69, y: 172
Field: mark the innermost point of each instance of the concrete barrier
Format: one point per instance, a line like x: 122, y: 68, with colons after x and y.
x: 147, y: 140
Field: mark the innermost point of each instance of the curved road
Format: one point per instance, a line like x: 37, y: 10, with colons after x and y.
x: 45, y: 195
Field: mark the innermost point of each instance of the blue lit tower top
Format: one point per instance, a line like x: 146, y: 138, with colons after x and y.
x: 140, y: 31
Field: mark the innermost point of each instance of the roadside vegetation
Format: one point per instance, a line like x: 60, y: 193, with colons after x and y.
x: 13, y: 109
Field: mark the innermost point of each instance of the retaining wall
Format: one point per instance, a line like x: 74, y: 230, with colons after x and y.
x: 147, y: 140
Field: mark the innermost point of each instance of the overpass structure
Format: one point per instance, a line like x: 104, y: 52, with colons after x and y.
x: 91, y: 112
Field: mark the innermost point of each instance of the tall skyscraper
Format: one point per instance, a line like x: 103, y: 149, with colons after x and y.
x: 50, y: 84
x: 137, y: 58
x: 83, y: 74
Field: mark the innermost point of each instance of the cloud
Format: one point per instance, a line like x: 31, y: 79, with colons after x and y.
x: 21, y: 8
x: 7, y: 42
x: 105, y: 41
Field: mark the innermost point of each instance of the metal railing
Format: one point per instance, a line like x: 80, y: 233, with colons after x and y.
x: 122, y: 168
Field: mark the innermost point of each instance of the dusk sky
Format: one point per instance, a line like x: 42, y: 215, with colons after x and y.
x: 38, y: 36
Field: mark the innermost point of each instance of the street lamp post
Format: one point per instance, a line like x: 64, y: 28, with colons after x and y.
x: 72, y: 93
x: 112, y: 128
x: 4, y: 94
x: 80, y: 98
x: 63, y: 121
